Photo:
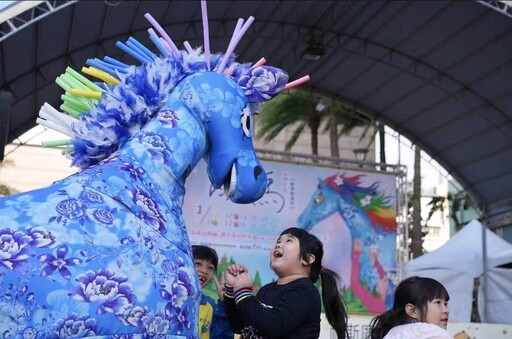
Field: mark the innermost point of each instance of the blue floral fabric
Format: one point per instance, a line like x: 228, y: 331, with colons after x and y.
x: 104, y: 252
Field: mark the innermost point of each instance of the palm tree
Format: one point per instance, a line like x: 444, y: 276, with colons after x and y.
x: 416, y: 231
x: 303, y: 110
x: 292, y: 108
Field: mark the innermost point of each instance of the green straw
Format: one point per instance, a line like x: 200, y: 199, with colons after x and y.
x: 71, y: 111
x: 87, y: 82
x: 74, y: 82
x: 56, y: 143
x: 75, y: 102
x: 65, y: 86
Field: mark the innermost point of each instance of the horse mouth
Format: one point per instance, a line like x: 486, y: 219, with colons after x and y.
x: 230, y: 182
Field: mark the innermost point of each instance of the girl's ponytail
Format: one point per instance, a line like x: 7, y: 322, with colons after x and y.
x: 334, y: 309
x: 381, y: 324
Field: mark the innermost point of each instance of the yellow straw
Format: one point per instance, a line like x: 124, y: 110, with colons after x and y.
x: 100, y: 75
x: 87, y: 94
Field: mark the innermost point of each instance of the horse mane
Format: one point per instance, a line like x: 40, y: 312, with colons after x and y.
x: 126, y: 107
x: 376, y: 205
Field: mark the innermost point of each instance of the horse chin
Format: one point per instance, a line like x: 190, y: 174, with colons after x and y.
x: 230, y: 182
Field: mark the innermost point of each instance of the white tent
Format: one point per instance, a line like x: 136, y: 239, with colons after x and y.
x: 459, y: 261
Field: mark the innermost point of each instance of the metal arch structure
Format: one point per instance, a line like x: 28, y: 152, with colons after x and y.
x: 22, y: 14
x: 438, y: 72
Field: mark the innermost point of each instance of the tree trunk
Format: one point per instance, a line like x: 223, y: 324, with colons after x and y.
x: 333, y: 135
x: 416, y: 233
x: 314, y: 125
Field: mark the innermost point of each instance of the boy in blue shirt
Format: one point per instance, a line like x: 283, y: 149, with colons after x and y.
x: 213, y: 323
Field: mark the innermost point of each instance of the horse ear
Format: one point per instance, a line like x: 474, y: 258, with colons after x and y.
x: 262, y: 83
x: 321, y: 183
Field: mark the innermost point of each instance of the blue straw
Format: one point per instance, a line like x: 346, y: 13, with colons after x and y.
x: 143, y: 48
x: 133, y: 53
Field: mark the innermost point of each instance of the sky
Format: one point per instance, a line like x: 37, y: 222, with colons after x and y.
x: 4, y: 4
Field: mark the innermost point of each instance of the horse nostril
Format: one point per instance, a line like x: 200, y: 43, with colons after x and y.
x: 257, y: 171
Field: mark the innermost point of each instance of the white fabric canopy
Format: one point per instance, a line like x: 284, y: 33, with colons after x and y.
x: 459, y: 261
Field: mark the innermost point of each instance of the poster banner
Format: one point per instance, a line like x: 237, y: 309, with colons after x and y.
x: 353, y: 213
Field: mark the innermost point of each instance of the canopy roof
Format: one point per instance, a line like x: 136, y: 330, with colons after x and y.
x: 438, y: 72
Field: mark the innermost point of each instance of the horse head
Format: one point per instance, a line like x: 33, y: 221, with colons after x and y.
x: 323, y: 203
x: 226, y: 107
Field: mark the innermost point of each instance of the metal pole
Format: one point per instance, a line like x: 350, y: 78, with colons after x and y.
x: 484, y: 276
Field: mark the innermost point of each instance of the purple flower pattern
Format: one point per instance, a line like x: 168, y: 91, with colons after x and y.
x: 113, y: 292
x: 75, y: 326
x: 156, y: 144
x: 168, y: 117
x: 70, y: 208
x: 15, y: 249
x: 148, y: 209
x: 60, y: 262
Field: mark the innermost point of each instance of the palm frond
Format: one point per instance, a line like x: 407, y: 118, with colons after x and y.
x: 295, y: 136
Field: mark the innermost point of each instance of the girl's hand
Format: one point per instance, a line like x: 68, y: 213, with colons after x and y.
x: 233, y: 271
x: 244, y: 280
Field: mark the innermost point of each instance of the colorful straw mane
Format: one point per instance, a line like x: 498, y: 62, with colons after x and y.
x: 100, y: 118
x: 368, y: 199
x: 104, y: 253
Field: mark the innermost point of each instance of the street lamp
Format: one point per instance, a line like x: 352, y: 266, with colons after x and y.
x: 360, y: 153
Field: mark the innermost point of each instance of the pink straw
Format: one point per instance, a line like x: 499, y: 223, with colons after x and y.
x: 229, y: 72
x: 296, y: 83
x: 206, y: 34
x: 162, y: 32
x: 235, y: 39
x: 260, y: 62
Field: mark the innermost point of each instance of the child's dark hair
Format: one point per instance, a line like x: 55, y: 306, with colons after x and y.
x: 334, y: 309
x: 203, y: 252
x: 417, y: 291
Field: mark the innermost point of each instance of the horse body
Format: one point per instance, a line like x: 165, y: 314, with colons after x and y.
x: 105, y: 251
x: 367, y: 233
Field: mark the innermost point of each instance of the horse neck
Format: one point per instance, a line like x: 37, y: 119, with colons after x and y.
x: 169, y: 147
x: 356, y: 219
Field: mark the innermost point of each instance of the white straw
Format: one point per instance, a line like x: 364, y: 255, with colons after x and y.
x: 53, y: 126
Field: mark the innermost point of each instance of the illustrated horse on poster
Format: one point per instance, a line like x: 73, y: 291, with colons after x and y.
x: 105, y: 252
x: 372, y: 224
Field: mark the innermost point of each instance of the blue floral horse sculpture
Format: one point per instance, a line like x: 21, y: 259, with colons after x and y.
x: 105, y: 252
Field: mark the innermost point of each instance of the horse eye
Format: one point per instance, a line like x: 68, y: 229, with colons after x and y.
x: 319, y: 198
x: 246, y: 120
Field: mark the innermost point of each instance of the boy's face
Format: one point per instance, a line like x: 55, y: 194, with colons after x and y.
x: 205, y: 271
